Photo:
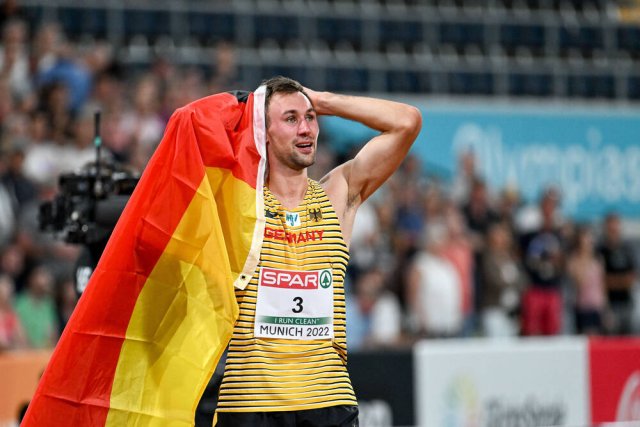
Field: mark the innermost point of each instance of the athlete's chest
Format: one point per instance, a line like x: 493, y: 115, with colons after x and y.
x: 301, y: 236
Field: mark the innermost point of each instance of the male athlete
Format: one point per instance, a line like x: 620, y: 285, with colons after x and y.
x: 286, y: 364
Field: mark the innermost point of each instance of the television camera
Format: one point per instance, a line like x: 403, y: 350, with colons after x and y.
x: 87, y: 207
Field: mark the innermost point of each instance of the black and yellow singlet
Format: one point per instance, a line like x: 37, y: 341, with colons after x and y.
x: 288, y: 351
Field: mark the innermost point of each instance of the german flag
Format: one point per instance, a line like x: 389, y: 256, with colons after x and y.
x: 159, y: 309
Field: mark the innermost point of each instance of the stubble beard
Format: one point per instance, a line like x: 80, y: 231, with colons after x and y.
x: 294, y: 159
x: 299, y: 161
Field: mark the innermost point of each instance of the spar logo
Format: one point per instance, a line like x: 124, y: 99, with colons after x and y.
x: 293, y: 279
x: 629, y: 402
x: 326, y: 279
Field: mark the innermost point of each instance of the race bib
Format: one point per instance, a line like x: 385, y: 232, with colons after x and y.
x: 295, y: 305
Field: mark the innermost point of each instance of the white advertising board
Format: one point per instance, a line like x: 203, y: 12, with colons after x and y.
x: 511, y: 383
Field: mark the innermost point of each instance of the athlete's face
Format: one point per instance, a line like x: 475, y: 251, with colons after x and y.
x: 292, y: 130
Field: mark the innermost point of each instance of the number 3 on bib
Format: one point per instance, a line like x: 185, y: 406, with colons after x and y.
x: 298, y: 308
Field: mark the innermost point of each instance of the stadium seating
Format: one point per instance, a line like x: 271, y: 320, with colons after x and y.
x: 522, y: 48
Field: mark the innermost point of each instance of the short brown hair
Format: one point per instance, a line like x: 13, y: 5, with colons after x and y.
x: 280, y: 84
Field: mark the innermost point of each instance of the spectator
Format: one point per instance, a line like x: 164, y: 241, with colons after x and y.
x: 41, y: 161
x: 529, y: 217
x: 13, y: 264
x: 70, y: 72
x: 459, y: 251
x: 21, y: 189
x: 36, y: 308
x: 44, y: 51
x: 503, y: 281
x: 362, y: 249
x: 434, y: 203
x: 14, y: 59
x: 108, y: 97
x: 508, y: 204
x: 409, y: 220
x: 542, y: 250
x: 586, y: 272
x: 410, y: 172
x: 478, y: 212
x: 434, y: 290
x: 11, y: 332
x: 225, y: 76
x: 374, y: 314
x: 178, y: 86
x: 620, y: 274
x: 81, y: 151
x: 465, y: 176
x: 7, y: 105
x: 394, y: 250
x: 7, y: 211
x: 53, y: 101
x: 142, y: 126
x: 10, y: 9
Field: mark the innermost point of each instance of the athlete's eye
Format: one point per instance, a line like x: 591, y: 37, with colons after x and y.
x: 310, y: 117
x: 290, y: 119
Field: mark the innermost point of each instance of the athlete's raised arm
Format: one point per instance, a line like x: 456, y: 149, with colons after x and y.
x: 351, y: 183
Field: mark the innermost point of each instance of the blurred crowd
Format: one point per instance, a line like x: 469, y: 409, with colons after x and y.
x: 430, y: 259
x: 434, y: 259
x: 50, y: 90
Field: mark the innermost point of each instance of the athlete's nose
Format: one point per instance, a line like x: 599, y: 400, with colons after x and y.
x: 304, y: 127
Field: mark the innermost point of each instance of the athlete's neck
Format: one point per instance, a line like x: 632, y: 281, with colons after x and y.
x: 288, y: 187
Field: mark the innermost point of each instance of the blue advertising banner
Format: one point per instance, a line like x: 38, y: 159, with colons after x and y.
x: 592, y: 155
